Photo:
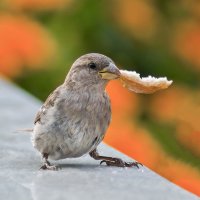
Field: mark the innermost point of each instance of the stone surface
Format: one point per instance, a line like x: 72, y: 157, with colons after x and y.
x: 80, y: 178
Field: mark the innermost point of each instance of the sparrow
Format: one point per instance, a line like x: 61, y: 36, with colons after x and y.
x: 74, y: 118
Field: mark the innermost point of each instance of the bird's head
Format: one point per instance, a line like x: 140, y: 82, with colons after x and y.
x: 93, y: 69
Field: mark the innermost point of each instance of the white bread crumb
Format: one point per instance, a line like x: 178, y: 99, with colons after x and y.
x: 147, y: 85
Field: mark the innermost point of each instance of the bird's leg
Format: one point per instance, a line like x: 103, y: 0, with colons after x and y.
x: 110, y: 161
x: 47, y: 164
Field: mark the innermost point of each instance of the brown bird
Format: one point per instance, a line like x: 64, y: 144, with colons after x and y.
x: 74, y: 118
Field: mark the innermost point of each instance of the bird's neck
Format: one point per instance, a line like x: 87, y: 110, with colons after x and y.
x: 86, y: 86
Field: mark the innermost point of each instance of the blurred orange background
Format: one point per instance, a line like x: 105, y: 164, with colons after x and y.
x: 39, y: 40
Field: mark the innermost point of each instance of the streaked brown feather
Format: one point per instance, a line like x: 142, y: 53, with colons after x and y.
x: 47, y: 104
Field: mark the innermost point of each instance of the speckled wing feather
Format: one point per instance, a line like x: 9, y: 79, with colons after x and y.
x: 48, y: 103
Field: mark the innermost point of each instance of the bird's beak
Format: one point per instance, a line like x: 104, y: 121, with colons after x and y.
x: 111, y: 72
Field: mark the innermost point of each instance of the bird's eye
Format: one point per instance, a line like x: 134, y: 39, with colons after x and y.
x: 92, y: 66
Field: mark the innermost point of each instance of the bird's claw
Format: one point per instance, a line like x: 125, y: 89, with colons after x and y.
x: 135, y: 164
x: 46, y: 166
x: 120, y: 163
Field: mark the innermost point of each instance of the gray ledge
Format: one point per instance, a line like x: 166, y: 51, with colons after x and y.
x: 81, y: 178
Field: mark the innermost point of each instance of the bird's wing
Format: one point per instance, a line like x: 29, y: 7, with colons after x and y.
x: 50, y: 101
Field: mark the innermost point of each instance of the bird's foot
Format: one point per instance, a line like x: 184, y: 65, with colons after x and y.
x: 47, y: 166
x: 120, y: 163
x: 110, y: 161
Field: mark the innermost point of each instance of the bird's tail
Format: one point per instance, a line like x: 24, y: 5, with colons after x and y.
x: 24, y: 130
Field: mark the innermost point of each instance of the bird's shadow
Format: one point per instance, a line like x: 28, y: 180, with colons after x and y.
x: 80, y: 166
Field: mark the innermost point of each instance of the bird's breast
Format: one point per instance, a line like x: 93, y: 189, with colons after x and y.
x: 86, y: 124
x: 78, y: 124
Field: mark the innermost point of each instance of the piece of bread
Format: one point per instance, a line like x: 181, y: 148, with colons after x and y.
x: 146, y: 85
